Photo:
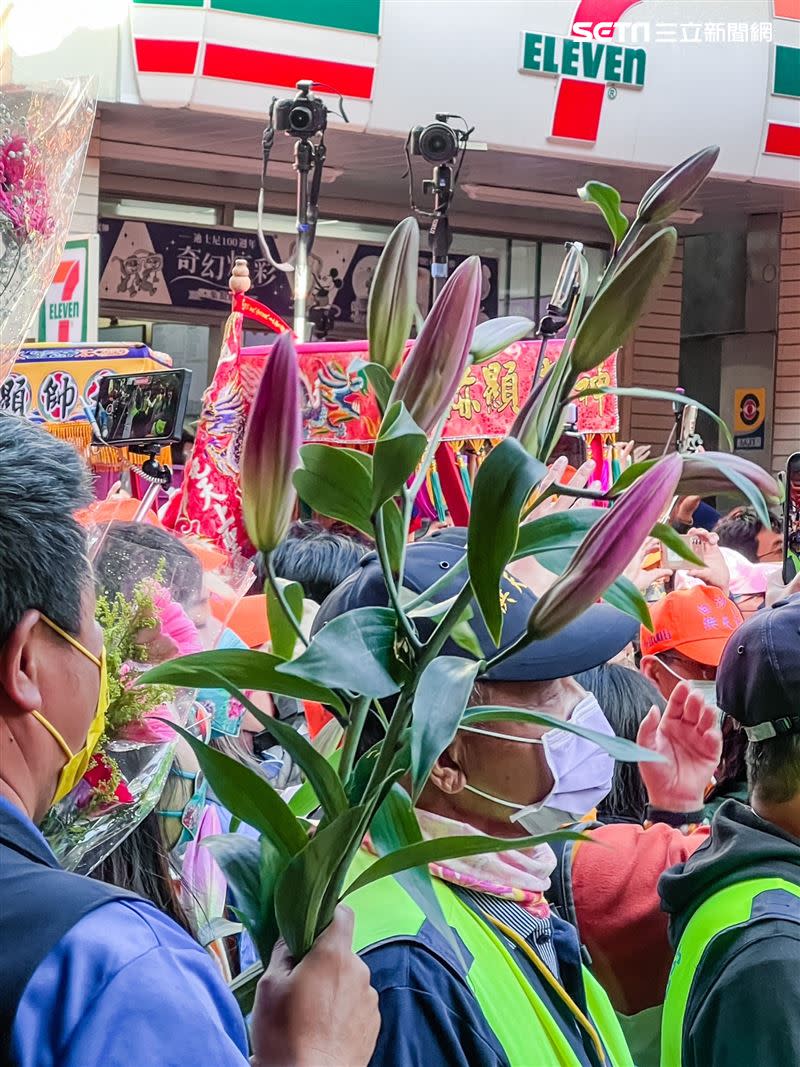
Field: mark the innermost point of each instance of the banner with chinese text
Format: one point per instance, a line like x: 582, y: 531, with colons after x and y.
x: 339, y: 408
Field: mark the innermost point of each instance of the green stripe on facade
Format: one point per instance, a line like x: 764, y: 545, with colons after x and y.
x: 787, y: 71
x: 170, y: 3
x: 361, y: 16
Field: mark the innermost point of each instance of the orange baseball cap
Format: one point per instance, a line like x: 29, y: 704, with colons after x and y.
x: 696, y: 622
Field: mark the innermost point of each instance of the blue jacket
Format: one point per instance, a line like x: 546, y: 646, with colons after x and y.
x: 124, y: 987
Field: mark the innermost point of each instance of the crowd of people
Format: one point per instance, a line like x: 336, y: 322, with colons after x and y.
x: 667, y: 933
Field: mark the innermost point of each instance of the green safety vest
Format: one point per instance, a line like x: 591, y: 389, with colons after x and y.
x: 722, y: 911
x: 518, y: 1017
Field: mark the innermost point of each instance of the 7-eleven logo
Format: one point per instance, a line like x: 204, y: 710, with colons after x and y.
x: 64, y: 308
x: 585, y: 63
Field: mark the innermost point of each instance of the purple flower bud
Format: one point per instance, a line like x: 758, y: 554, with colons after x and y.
x: 271, y: 451
x: 674, y: 188
x: 432, y: 373
x: 608, y: 548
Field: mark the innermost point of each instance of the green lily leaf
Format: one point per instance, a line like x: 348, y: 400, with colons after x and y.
x: 394, y: 826
x: 620, y: 748
x: 615, y: 311
x: 608, y: 200
x: 320, y: 774
x: 624, y: 596
x: 251, y: 868
x: 398, y: 450
x: 244, y: 985
x: 381, y: 381
x: 305, y: 800
x: 495, y: 335
x: 442, y: 694
x: 465, y: 637
x: 305, y: 882
x: 247, y: 795
x: 440, y: 849
x: 673, y: 540
x: 282, y: 633
x: 656, y: 394
x: 335, y: 483
x: 241, y: 669
x: 504, y: 483
x: 399, y: 767
x: 393, y: 296
x: 355, y: 652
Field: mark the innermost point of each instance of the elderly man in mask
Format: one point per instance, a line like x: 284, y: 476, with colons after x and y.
x: 89, y: 973
x: 517, y: 993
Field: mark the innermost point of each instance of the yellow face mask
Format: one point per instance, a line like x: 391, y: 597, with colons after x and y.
x: 78, y: 762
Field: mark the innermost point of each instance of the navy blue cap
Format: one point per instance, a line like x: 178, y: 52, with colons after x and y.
x: 593, y: 638
x: 758, y: 679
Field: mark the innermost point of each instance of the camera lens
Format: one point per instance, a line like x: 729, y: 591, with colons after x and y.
x: 437, y: 143
x: 300, y: 117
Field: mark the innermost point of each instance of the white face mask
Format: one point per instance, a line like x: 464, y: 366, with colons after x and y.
x: 706, y: 689
x: 581, y: 770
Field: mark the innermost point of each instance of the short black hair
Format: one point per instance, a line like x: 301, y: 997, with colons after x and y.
x: 131, y: 551
x: 317, y: 558
x: 773, y: 768
x: 625, y: 697
x: 740, y: 528
x: 43, y: 564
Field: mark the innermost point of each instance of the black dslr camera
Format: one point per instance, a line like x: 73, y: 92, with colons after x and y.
x: 304, y: 116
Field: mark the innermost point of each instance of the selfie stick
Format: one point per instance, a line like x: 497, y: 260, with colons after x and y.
x: 561, y: 302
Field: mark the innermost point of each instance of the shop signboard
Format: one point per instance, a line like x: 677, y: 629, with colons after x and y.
x: 69, y: 310
x: 188, y: 267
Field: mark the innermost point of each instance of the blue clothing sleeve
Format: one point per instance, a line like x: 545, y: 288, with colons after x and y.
x: 126, y: 987
x: 428, y: 1014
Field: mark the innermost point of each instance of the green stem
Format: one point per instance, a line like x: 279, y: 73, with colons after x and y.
x: 352, y: 735
x: 437, y: 639
x: 284, y: 603
x: 444, y: 580
x: 391, y: 585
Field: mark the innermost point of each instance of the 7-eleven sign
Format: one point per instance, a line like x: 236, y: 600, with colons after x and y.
x: 69, y: 310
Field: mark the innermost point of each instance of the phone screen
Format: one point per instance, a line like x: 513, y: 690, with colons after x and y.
x: 791, y: 528
x: 142, y: 408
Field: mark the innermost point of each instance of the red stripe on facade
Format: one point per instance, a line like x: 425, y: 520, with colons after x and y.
x: 783, y: 140
x: 166, y: 57
x: 272, y: 68
x: 786, y: 9
x: 578, y: 107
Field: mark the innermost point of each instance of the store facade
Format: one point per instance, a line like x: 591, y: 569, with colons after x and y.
x: 557, y: 94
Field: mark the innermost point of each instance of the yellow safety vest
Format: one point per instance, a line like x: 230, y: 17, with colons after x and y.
x: 519, y: 1018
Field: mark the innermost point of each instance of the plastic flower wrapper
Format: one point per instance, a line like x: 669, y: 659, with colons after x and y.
x: 143, y: 623
x: 44, y: 134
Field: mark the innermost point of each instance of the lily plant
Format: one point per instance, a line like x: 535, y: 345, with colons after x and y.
x: 289, y: 882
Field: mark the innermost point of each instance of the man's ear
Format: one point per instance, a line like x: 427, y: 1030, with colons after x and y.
x: 653, y: 671
x: 21, y: 663
x: 448, y: 774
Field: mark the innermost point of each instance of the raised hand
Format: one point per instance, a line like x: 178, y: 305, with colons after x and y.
x: 688, y: 735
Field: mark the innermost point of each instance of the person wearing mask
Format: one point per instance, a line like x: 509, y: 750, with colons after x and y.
x: 691, y: 628
x: 734, y: 906
x: 518, y: 993
x: 743, y: 531
x: 89, y: 972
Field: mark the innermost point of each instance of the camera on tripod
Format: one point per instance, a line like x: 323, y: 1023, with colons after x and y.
x: 436, y: 143
x: 304, y: 116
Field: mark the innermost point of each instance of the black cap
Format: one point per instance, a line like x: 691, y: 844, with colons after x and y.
x: 594, y: 638
x: 758, y: 680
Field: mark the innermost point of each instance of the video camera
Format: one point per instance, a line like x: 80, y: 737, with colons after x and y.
x: 303, y: 116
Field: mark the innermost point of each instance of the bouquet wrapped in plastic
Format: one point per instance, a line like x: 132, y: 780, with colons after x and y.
x: 143, y: 623
x: 44, y: 134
